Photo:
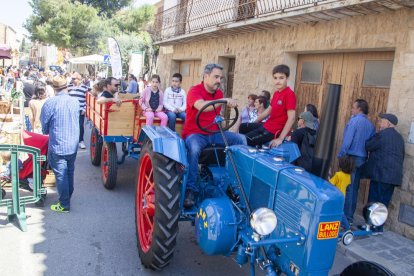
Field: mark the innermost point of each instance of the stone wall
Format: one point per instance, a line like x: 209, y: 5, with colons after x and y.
x: 256, y: 53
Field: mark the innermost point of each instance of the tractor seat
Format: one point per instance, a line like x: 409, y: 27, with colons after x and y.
x: 208, y: 156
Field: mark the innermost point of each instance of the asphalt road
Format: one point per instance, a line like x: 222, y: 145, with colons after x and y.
x: 98, y: 236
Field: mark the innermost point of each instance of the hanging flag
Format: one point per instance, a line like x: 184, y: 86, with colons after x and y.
x: 115, y: 60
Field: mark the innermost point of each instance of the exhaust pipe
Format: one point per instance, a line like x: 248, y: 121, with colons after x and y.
x: 327, y: 132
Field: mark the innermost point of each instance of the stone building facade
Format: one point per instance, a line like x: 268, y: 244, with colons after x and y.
x: 9, y: 37
x: 255, y: 52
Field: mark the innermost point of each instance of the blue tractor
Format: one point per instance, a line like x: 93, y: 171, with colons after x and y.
x: 254, y: 204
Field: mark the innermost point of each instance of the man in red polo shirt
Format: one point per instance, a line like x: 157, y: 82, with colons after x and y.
x: 281, y: 110
x: 196, y: 139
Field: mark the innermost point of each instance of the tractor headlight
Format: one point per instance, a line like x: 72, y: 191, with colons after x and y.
x: 375, y: 213
x: 263, y: 221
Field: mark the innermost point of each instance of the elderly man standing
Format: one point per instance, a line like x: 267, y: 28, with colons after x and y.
x: 78, y: 90
x: 385, y: 162
x: 357, y: 131
x: 60, y: 119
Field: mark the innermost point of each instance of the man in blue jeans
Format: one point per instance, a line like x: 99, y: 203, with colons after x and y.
x: 60, y: 120
x: 196, y: 139
x: 357, y: 131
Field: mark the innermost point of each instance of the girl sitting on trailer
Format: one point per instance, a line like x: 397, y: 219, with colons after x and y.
x: 152, y: 102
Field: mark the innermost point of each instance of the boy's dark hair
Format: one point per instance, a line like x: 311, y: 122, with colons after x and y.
x: 156, y: 77
x: 266, y: 94
x: 363, y: 105
x: 346, y: 164
x: 263, y: 100
x: 312, y: 109
x: 281, y: 69
x: 252, y: 96
x: 178, y: 76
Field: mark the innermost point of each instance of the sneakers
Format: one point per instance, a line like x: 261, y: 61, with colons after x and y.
x: 189, y: 199
x: 377, y: 231
x: 59, y: 208
x: 82, y: 145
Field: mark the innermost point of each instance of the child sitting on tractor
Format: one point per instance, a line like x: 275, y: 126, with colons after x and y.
x: 152, y: 102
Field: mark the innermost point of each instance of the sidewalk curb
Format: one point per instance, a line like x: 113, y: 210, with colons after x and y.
x: 349, y: 253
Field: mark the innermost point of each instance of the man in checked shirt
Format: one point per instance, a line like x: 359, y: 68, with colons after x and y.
x: 60, y: 120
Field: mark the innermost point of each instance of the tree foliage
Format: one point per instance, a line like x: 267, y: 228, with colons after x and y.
x: 105, y: 7
x: 66, y: 25
x: 84, y: 25
x: 135, y: 20
x: 132, y: 43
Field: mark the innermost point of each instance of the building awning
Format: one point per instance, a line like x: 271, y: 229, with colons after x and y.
x: 5, y: 51
x: 92, y: 59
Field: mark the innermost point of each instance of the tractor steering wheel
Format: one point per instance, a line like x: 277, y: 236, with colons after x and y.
x: 218, y: 119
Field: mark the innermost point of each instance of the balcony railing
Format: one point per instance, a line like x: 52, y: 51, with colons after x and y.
x: 197, y: 15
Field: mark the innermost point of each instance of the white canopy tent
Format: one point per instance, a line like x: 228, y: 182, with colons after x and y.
x: 92, y: 59
x: 80, y: 64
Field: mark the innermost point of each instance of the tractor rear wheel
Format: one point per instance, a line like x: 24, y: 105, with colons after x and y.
x: 109, y: 165
x: 95, y: 147
x: 156, y: 208
x: 365, y: 268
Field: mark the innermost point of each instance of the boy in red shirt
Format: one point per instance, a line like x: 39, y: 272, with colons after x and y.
x: 281, y: 110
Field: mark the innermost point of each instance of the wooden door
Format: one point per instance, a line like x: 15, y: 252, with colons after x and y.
x: 315, y: 71
x: 190, y: 70
x: 353, y: 71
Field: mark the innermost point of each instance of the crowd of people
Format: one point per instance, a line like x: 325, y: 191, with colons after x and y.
x: 58, y: 101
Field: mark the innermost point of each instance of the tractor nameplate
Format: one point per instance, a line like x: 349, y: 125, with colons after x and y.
x: 328, y: 230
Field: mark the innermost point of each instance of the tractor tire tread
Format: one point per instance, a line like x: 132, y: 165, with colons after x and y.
x: 110, y: 182
x: 96, y: 159
x: 167, y: 211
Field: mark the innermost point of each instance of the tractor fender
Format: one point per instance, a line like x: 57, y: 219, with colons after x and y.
x: 165, y: 142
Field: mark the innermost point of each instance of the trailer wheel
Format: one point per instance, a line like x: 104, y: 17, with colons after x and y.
x: 365, y: 268
x: 156, y: 208
x: 109, y: 165
x: 95, y: 147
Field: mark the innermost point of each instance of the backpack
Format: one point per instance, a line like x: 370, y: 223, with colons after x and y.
x: 307, y: 150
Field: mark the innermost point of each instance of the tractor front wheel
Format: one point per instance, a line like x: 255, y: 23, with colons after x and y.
x: 365, y: 268
x: 156, y: 208
x: 109, y: 165
x: 95, y: 147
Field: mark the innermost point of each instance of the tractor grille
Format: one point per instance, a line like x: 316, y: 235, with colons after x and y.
x: 288, y: 210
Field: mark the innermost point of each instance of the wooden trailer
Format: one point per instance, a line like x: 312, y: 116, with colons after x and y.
x: 116, y: 124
